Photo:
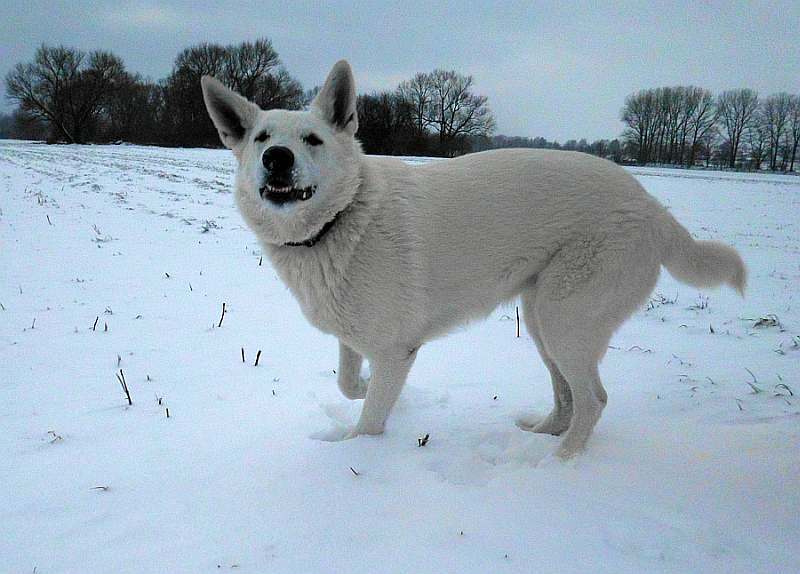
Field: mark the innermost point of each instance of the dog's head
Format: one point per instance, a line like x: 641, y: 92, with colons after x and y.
x: 297, y: 169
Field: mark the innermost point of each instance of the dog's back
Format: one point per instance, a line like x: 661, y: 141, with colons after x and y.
x: 484, y: 225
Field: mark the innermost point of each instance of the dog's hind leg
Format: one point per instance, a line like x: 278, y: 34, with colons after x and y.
x: 389, y: 374
x: 559, y: 418
x: 587, y: 290
x: 349, y: 376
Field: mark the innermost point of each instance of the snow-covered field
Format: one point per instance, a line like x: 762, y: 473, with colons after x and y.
x: 120, y: 258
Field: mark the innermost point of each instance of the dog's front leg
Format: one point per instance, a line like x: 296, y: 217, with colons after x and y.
x: 350, y: 382
x: 389, y: 374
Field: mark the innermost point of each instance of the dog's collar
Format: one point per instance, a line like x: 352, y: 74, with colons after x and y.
x: 311, y: 241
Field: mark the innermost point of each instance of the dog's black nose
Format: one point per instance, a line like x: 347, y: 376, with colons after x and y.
x: 278, y: 159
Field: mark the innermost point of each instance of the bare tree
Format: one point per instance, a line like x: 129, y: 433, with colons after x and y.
x: 640, y: 113
x: 459, y: 113
x: 686, y: 103
x: 279, y: 89
x: 386, y: 125
x: 443, y: 101
x: 418, y: 92
x: 244, y: 65
x: 254, y: 70
x: 671, y: 109
x: 185, y: 118
x: 774, y: 117
x: 66, y: 89
x: 736, y: 110
x: 42, y: 87
x: 134, y: 111
x: 701, y: 119
x: 95, y: 87
x: 251, y: 68
x: 757, y: 139
x: 455, y: 111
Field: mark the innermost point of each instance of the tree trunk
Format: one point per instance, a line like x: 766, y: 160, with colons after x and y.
x: 734, y: 151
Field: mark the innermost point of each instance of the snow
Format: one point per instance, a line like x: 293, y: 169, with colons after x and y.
x: 689, y: 470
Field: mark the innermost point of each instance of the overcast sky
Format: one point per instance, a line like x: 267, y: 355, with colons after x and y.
x: 554, y: 69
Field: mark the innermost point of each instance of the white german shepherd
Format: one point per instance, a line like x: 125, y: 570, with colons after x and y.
x: 387, y: 256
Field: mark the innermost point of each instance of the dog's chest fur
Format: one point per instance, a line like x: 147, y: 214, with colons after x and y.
x: 355, y: 286
x: 316, y: 283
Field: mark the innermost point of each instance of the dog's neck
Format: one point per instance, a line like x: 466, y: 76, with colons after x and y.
x: 316, y: 238
x: 313, y: 240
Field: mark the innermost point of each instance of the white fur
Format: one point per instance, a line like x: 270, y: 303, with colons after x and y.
x: 418, y: 250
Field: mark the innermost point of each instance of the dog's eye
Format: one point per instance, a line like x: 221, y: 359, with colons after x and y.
x: 312, y: 139
x: 262, y: 137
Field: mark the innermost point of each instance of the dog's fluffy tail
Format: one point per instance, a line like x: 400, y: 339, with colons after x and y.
x: 702, y: 263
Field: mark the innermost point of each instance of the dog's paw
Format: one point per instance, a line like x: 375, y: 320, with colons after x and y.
x: 341, y: 433
x: 335, y: 434
x: 528, y: 422
x: 572, y: 445
x: 554, y: 424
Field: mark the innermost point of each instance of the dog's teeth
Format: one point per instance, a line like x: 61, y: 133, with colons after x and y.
x: 301, y: 194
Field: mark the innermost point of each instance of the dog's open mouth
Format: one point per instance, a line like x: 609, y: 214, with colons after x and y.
x: 285, y: 194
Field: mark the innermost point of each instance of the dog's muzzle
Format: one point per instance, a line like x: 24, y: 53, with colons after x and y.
x: 279, y: 163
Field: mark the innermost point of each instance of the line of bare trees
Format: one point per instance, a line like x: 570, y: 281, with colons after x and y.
x: 687, y: 125
x: 69, y: 95
x: 613, y: 150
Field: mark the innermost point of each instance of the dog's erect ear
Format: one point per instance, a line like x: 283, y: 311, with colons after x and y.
x: 336, y: 101
x: 231, y: 113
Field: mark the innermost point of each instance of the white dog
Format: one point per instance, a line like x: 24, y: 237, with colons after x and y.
x: 387, y: 256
